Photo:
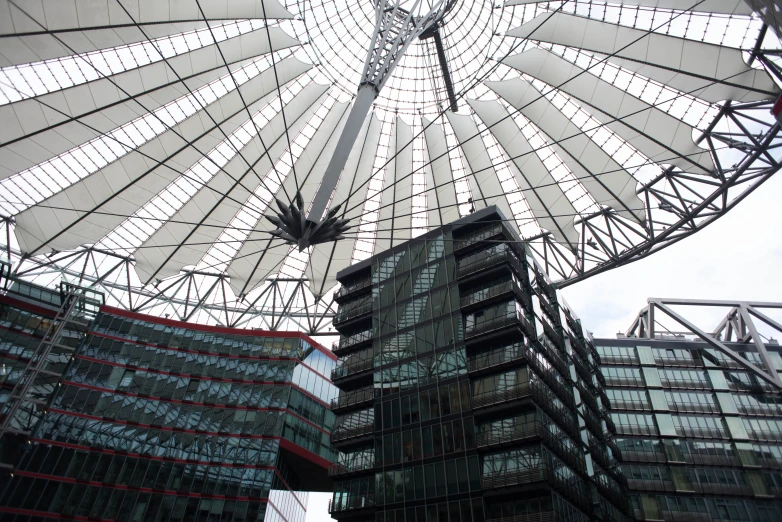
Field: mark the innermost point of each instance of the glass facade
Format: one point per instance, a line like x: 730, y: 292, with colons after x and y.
x: 160, y: 420
x: 701, y: 437
x: 465, y: 385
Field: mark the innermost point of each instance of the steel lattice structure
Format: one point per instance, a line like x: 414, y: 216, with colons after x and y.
x: 143, y: 145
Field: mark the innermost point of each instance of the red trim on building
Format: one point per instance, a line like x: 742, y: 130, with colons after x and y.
x: 211, y: 354
x: 105, y: 451
x: 27, y: 305
x: 48, y: 514
x: 201, y: 377
x: 192, y: 403
x: 216, y: 329
x: 302, y: 452
x: 132, y: 488
x: 163, y: 428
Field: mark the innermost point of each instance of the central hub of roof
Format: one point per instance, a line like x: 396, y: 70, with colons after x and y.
x: 339, y: 35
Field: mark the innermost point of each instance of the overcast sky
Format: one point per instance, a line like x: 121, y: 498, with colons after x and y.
x: 737, y: 257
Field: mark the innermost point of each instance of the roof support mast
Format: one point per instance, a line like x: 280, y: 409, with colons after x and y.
x: 397, y: 24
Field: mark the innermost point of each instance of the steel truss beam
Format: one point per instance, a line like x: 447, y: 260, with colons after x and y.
x: 678, y: 203
x: 737, y: 326
x: 280, y: 304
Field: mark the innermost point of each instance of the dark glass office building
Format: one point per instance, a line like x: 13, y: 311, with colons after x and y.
x: 700, y: 433
x: 159, y: 420
x: 468, y: 389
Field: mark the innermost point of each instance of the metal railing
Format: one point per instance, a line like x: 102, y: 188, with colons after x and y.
x: 636, y: 429
x: 526, y: 431
x: 758, y: 409
x: 508, y: 355
x: 549, y: 309
x: 685, y: 383
x: 673, y: 361
x: 487, y: 293
x: 553, y: 336
x: 482, y: 260
x: 347, y: 342
x: 630, y: 404
x: 696, y: 407
x: 531, y: 476
x: 345, y: 314
x: 625, y: 381
x: 352, y: 368
x: 354, y: 287
x: 579, y: 347
x: 492, y: 324
x: 338, y: 470
x: 477, y: 236
x: 543, y: 516
x: 703, y: 433
x: 339, y: 434
x: 351, y: 503
x: 619, y: 359
x: 493, y: 397
x: 352, y: 398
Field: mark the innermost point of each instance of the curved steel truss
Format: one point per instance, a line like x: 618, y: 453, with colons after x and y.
x: 140, y: 155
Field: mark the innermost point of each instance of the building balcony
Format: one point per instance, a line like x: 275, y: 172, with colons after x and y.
x: 493, y: 231
x: 579, y: 347
x: 685, y: 383
x: 604, y: 398
x: 693, y: 407
x: 543, y: 516
x: 592, y: 423
x: 346, y: 315
x: 529, y: 432
x: 713, y: 460
x: 341, y: 434
x: 470, y: 265
x: 554, y: 358
x: 544, y: 285
x: 684, y: 516
x: 758, y: 409
x: 554, y: 336
x: 496, y: 293
x: 495, y: 360
x: 636, y: 382
x: 352, y: 400
x: 348, y: 342
x: 619, y: 359
x: 744, y: 490
x: 550, y: 310
x: 495, y: 397
x: 609, y: 421
x: 348, y: 505
x: 763, y: 435
x: 587, y: 397
x: 611, y: 443
x: 548, y: 376
x: 582, y: 368
x: 353, y: 289
x: 342, y: 470
x: 643, y: 456
x: 351, y: 369
x: 599, y: 454
x: 701, y: 433
x: 666, y: 486
x: 673, y: 361
x: 636, y: 429
x: 493, y: 325
x: 574, y: 325
x: 542, y: 474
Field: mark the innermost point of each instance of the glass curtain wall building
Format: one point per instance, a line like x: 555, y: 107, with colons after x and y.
x: 468, y: 390
x: 154, y: 419
x: 701, y: 436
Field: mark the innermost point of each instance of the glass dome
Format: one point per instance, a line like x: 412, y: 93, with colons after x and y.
x: 145, y: 143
